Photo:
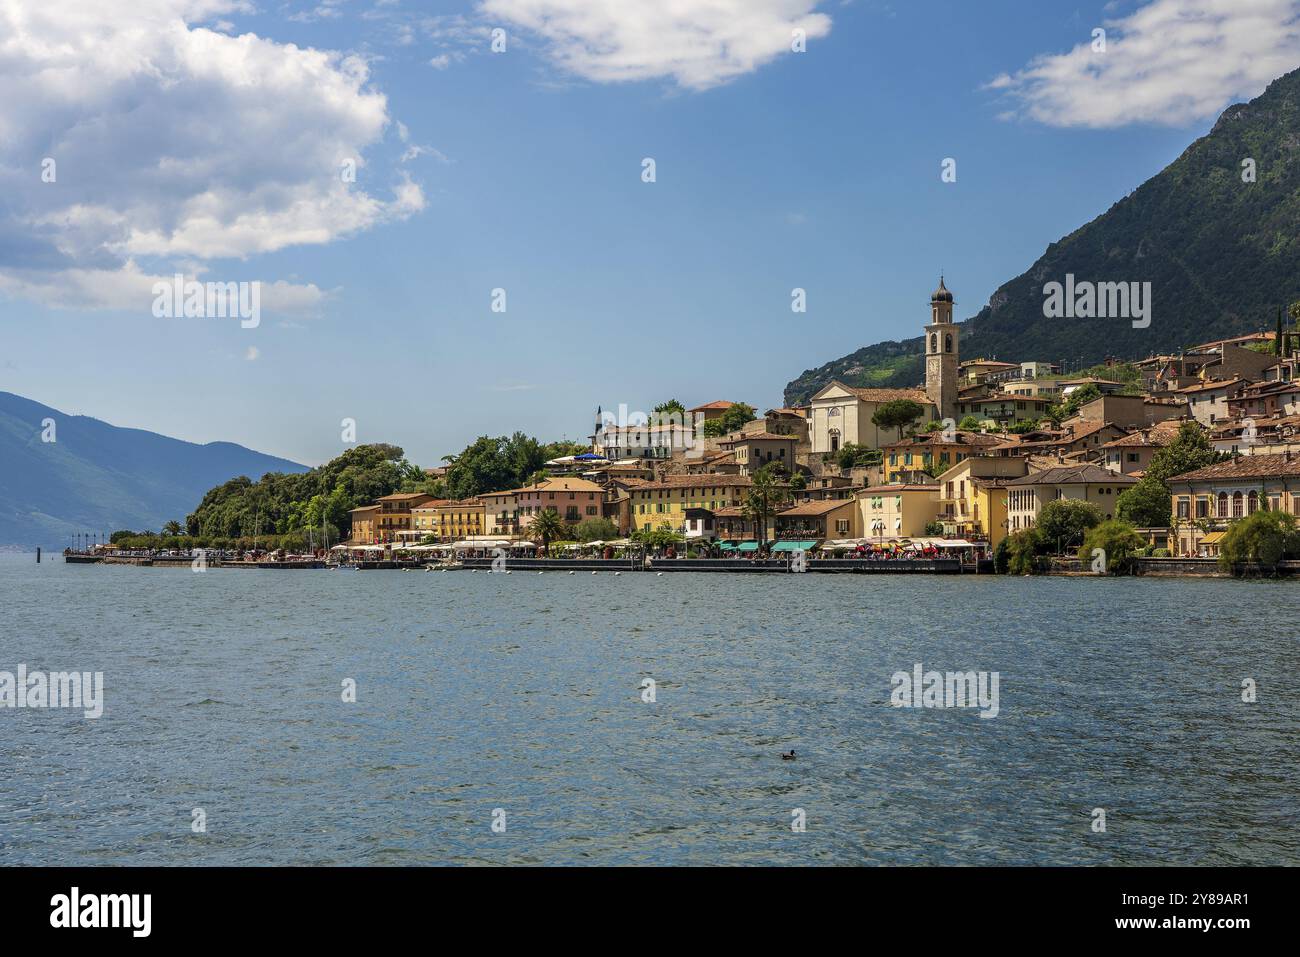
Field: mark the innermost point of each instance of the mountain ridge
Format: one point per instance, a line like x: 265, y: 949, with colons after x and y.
x: 98, y: 477
x: 1222, y: 255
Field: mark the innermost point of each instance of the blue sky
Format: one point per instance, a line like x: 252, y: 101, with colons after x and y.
x: 217, y: 155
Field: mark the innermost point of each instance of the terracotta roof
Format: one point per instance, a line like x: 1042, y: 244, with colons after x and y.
x: 888, y: 395
x: 401, y: 496
x: 364, y: 508
x: 561, y: 485
x: 712, y: 406
x: 1271, y: 388
x: 1081, y: 430
x: 816, y: 508
x: 1074, y: 475
x: 1246, y: 466
x: 1156, y: 436
x: 686, y: 481
x: 738, y: 437
x: 433, y: 504
x: 936, y: 438
x: 1210, y: 386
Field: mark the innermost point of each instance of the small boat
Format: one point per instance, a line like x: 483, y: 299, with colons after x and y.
x: 449, y: 564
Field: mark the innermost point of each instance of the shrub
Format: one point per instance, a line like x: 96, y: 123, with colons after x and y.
x: 1064, y: 522
x: 1264, y: 539
x: 1120, y: 543
x: 1023, y: 551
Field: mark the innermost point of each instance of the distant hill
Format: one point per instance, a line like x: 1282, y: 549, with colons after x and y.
x: 98, y: 478
x: 1221, y: 255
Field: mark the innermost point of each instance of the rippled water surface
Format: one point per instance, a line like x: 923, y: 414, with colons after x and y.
x: 522, y: 692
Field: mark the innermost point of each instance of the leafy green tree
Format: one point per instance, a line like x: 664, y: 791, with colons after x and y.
x: 546, y: 525
x: 595, y: 530
x: 1070, y: 407
x: 765, y: 494
x: 970, y: 423
x: 1023, y: 549
x: 897, y: 415
x: 1023, y: 426
x: 281, y: 503
x: 671, y: 407
x: 658, y: 538
x: 1001, y: 558
x: 1118, y: 540
x: 737, y: 414
x: 495, y: 464
x: 1264, y: 538
x: 1146, y: 504
x: 173, y: 528
x: 933, y: 529
x: 797, y: 482
x: 1062, y: 523
x: 1190, y: 450
x: 853, y: 456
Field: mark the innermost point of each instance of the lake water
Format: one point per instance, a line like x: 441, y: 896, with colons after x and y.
x: 477, y: 692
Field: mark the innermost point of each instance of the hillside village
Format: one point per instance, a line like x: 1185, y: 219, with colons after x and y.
x: 968, y: 458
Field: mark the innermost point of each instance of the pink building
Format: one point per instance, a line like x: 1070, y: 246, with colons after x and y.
x: 575, y: 499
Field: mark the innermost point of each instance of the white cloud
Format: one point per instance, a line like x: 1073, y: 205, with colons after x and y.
x: 175, y: 144
x: 697, y: 43
x: 1169, y: 62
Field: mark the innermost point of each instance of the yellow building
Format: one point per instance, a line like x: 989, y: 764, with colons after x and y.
x: 654, y: 503
x: 1207, y: 501
x: 972, y: 497
x: 456, y: 520
x: 393, y: 522
x: 933, y: 453
x: 897, y: 511
x: 363, y: 524
x: 500, y: 514
x: 424, y: 518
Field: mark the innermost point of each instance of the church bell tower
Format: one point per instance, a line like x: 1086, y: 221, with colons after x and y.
x: 941, y: 354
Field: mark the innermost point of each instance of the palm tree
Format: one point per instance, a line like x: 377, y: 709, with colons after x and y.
x: 765, y: 494
x: 548, y: 525
x: 173, y: 528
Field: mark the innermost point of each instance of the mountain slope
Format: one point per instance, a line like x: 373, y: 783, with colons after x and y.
x: 1221, y: 255
x: 98, y: 478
